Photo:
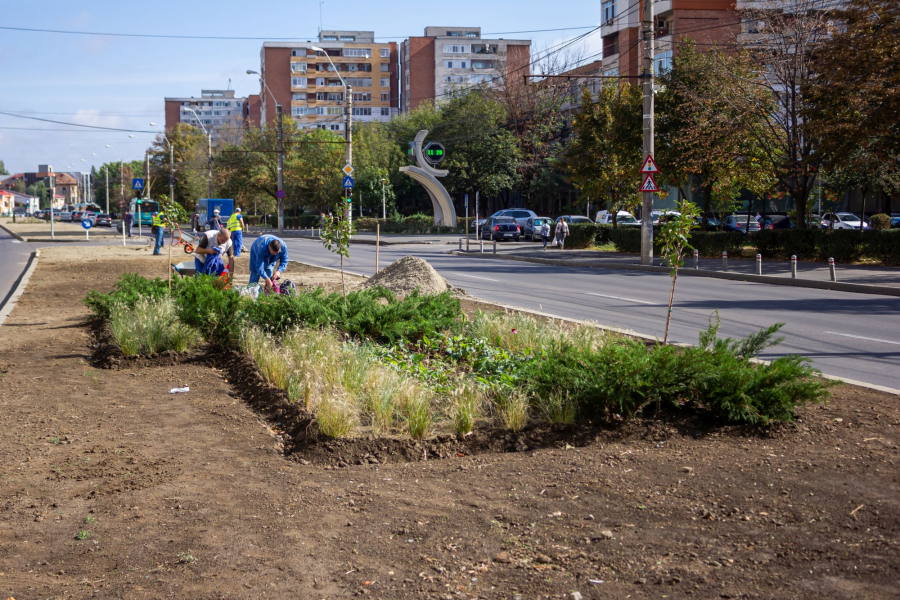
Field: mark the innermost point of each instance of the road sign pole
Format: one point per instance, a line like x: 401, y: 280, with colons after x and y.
x: 278, y: 115
x: 647, y: 76
x: 467, y: 222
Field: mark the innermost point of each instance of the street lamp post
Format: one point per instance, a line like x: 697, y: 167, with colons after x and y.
x: 348, y: 113
x: 383, y: 203
x: 208, y: 153
x: 279, y: 114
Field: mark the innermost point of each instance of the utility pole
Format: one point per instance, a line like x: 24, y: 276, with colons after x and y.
x: 647, y: 82
x: 209, y: 165
x: 278, y: 117
x: 106, y: 168
x: 171, y: 172
x: 383, y: 202
x: 348, y: 137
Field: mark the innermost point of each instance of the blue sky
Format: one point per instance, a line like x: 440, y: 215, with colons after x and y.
x: 121, y: 82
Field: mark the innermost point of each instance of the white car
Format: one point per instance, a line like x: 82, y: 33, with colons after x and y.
x: 521, y: 215
x: 658, y: 215
x: 842, y: 220
x: 623, y: 217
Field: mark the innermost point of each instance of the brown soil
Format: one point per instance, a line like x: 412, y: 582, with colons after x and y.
x: 408, y: 275
x: 191, y: 496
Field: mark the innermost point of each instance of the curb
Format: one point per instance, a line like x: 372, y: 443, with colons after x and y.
x: 835, y: 286
x: 13, y: 233
x: 9, y: 303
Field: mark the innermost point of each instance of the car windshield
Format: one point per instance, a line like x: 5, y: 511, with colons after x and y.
x: 847, y: 217
x: 626, y: 219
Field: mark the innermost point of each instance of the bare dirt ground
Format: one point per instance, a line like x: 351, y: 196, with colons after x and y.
x: 112, y: 488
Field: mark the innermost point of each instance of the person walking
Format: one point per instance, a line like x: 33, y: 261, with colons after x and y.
x: 158, y: 229
x: 562, y: 230
x: 235, y: 225
x: 128, y: 221
x: 265, y: 252
x: 545, y: 233
x: 195, y: 223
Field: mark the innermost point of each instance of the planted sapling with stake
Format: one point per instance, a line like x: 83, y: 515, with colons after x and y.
x: 673, y: 241
x: 335, y: 236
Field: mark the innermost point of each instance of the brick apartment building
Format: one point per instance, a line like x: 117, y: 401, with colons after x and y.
x: 449, y: 59
x: 310, y: 91
x: 705, y: 21
x: 220, y: 112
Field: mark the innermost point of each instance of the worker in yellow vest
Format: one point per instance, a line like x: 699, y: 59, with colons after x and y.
x: 158, y: 228
x: 235, y: 225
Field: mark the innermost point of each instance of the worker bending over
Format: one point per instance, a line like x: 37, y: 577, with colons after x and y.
x: 264, y: 253
x: 235, y: 225
x: 209, y: 252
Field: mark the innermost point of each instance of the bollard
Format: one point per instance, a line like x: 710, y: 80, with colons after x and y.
x: 831, y: 268
x: 460, y: 244
x: 793, y: 266
x: 495, y: 246
x: 696, y: 259
x: 482, y: 246
x: 724, y: 260
x: 759, y: 264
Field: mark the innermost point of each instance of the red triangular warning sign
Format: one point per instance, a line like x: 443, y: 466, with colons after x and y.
x: 649, y: 185
x: 649, y: 166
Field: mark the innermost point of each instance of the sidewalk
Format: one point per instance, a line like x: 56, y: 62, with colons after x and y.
x: 62, y: 232
x: 877, y: 279
x: 387, y: 239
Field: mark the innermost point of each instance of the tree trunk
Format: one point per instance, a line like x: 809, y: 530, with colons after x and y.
x: 707, y: 201
x: 671, y: 299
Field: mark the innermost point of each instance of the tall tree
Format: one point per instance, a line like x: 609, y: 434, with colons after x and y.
x: 603, y: 158
x: 41, y: 192
x: 190, y: 146
x: 3, y: 170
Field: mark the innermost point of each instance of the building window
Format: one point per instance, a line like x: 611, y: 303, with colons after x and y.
x: 331, y: 111
x: 359, y: 81
x: 362, y: 112
x: 325, y: 67
x: 358, y: 52
x: 362, y: 96
x: 298, y: 97
x: 609, y: 11
x: 329, y: 38
x: 611, y: 44
x: 482, y: 64
x: 348, y: 38
x: 484, y: 49
x: 298, y: 67
x: 454, y: 49
x: 455, y: 79
x: 473, y: 34
x: 663, y: 62
x: 456, y: 64
x: 385, y: 53
x: 385, y: 96
x: 385, y: 111
x: 385, y: 67
x: 300, y: 111
x: 334, y: 127
x: 385, y: 82
x: 298, y: 52
x: 298, y: 82
x: 479, y: 79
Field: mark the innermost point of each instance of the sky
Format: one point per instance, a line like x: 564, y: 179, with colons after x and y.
x: 121, y: 82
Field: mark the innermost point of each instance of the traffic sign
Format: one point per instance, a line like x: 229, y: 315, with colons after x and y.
x: 434, y: 152
x: 137, y: 184
x: 87, y: 223
x: 279, y: 194
x: 649, y: 184
x: 348, y: 169
x: 649, y: 165
x: 348, y: 181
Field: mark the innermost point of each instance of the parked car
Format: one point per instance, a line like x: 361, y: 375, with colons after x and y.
x: 739, y: 223
x: 501, y: 228
x: 103, y: 219
x: 895, y: 222
x: 89, y: 215
x: 62, y: 216
x: 842, y: 220
x: 711, y: 222
x: 532, y: 229
x: 623, y: 217
x: 75, y: 215
x: 660, y: 215
x: 574, y: 219
x: 777, y: 222
x: 521, y: 215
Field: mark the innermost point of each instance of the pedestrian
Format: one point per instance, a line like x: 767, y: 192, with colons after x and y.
x: 209, y: 252
x: 215, y: 223
x: 545, y: 233
x: 195, y: 223
x: 129, y: 221
x: 235, y: 225
x: 758, y: 218
x: 264, y: 253
x: 562, y: 230
x: 158, y: 229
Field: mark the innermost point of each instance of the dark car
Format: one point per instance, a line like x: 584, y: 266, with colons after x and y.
x: 777, y: 222
x: 711, y: 222
x: 103, y: 219
x: 75, y: 216
x: 739, y: 224
x: 501, y: 228
x: 895, y: 222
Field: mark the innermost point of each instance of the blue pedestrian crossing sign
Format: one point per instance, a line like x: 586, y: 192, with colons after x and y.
x: 137, y: 184
x: 348, y: 181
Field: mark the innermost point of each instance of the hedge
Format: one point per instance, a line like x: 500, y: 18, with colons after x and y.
x: 413, y: 224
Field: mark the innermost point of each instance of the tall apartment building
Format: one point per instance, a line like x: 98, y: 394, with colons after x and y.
x: 220, y: 112
x: 705, y: 21
x: 310, y: 90
x: 449, y: 59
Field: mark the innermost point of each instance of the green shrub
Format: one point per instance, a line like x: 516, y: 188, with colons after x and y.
x: 880, y: 221
x: 883, y: 245
x: 581, y: 235
x: 204, y: 305
x: 128, y: 291
x: 149, y: 327
x: 713, y: 243
x: 626, y: 239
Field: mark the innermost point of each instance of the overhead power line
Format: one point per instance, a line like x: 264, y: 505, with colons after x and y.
x: 77, y: 124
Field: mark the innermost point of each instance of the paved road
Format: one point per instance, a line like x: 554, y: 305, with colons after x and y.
x: 14, y: 258
x: 855, y: 336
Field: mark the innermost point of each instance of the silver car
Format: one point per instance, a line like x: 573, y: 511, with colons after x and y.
x: 532, y: 228
x: 521, y: 215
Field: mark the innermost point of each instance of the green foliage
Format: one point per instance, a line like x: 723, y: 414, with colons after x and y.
x: 880, y: 221
x: 335, y: 236
x: 713, y: 243
x: 204, y: 305
x: 674, y: 236
x: 150, y: 327
x: 129, y: 290
x: 626, y: 239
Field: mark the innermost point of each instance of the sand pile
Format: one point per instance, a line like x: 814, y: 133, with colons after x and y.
x: 407, y: 275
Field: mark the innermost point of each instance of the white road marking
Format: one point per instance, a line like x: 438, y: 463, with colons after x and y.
x: 859, y: 337
x: 476, y: 277
x: 620, y: 298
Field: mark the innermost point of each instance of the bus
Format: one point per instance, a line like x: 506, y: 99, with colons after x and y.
x: 147, y: 208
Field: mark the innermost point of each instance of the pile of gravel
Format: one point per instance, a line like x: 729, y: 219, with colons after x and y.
x: 407, y: 275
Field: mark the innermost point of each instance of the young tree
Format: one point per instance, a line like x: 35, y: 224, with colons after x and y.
x: 336, y: 232
x: 190, y: 146
x: 603, y: 158
x: 673, y: 240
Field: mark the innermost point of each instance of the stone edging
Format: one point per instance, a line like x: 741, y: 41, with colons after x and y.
x: 19, y: 288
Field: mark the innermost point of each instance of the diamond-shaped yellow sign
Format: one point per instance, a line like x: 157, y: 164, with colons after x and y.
x: 348, y: 170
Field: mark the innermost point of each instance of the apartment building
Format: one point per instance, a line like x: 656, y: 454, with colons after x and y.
x: 307, y: 83
x: 448, y: 60
x: 219, y: 111
x: 707, y: 22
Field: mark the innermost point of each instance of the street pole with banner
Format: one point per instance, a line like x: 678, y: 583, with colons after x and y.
x: 647, y: 85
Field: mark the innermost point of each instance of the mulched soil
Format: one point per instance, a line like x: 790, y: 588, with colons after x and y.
x: 201, y: 495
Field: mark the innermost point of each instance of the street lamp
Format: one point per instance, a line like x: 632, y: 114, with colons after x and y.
x: 171, y: 164
x: 208, y: 152
x: 348, y: 108
x: 280, y: 129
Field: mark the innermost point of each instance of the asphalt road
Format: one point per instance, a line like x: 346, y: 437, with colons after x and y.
x: 14, y: 258
x: 856, y: 336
